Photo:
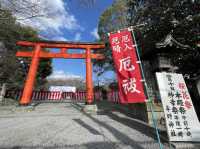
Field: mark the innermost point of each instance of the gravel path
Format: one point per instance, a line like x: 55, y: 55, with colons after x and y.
x: 63, y: 125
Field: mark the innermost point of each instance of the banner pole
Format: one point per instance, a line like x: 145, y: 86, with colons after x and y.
x: 146, y: 88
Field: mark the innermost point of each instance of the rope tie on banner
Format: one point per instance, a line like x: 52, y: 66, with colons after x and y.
x: 146, y: 88
x: 143, y: 80
x: 138, y: 62
x: 130, y: 28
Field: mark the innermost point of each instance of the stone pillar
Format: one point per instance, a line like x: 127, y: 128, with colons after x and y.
x: 198, y: 86
x: 3, y: 92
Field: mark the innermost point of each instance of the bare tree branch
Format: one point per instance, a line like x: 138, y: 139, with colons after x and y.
x: 22, y: 9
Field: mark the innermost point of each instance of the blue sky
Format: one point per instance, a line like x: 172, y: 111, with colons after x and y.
x: 69, y: 20
x: 88, y: 21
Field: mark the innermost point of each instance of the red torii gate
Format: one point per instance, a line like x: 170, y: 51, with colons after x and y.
x: 38, y: 53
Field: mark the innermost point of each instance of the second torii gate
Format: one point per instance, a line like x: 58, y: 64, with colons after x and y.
x: 38, y: 53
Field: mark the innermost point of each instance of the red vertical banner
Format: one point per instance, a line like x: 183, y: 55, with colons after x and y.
x: 127, y: 68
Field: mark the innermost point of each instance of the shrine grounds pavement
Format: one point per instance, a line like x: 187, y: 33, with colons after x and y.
x: 65, y: 125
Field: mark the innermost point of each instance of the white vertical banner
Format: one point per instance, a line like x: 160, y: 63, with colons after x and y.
x: 181, y: 119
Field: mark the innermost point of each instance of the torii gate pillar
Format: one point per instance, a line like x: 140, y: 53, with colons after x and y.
x: 89, y: 83
x: 38, y: 53
x: 30, y: 80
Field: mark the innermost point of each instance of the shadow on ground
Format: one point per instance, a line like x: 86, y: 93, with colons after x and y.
x: 109, y: 109
x: 131, y: 121
x: 144, y: 129
x: 93, y: 145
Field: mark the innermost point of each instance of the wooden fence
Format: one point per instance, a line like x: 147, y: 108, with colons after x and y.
x: 111, y: 96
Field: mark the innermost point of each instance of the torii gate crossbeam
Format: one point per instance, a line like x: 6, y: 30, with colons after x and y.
x: 38, y: 53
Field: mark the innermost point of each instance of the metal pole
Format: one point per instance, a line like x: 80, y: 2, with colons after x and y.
x: 146, y: 87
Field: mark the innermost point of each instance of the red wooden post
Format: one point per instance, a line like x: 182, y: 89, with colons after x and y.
x: 89, y: 84
x: 29, y: 84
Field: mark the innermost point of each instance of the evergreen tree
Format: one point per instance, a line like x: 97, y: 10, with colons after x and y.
x: 179, y: 18
x: 111, y: 20
x: 14, y: 70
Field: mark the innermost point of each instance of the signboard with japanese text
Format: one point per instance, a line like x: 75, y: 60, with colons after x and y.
x: 127, y: 67
x: 181, y: 119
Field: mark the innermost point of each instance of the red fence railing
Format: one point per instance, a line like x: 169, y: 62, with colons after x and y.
x: 111, y: 96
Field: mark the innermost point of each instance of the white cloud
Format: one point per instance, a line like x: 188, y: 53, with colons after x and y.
x: 77, y: 37
x: 60, y: 74
x: 59, y: 38
x: 54, y: 15
x: 94, y: 33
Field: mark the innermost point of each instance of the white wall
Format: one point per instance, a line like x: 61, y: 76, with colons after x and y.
x: 63, y: 88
